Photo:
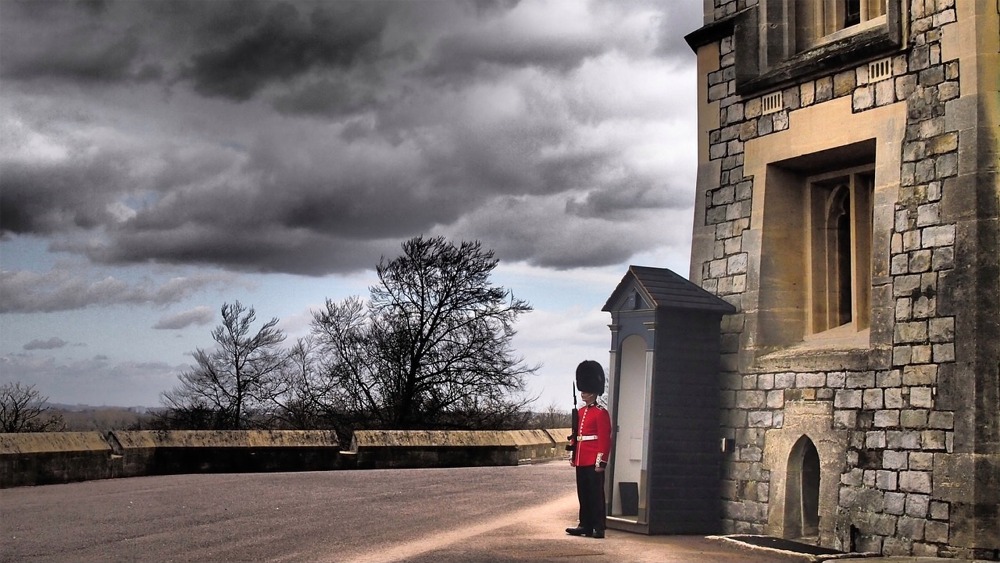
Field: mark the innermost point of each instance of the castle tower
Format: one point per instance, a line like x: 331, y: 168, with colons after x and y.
x: 847, y: 206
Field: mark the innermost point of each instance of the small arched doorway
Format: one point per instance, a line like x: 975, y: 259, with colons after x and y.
x: 802, y: 492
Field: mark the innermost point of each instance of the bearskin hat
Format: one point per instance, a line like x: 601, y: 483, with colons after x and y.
x: 590, y: 377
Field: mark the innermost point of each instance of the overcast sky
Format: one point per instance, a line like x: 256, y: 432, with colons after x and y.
x: 161, y: 158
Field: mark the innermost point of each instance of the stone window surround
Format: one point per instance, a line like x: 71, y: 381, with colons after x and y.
x: 770, y: 342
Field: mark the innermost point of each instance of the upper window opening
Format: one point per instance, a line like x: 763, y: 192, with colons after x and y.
x: 818, y: 21
x: 783, y: 41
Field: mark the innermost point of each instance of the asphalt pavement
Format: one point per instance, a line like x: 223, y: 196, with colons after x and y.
x: 468, y: 515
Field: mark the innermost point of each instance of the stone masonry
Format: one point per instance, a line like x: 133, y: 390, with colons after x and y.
x: 904, y: 421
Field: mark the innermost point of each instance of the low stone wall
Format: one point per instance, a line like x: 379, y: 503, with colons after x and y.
x: 193, y: 451
x: 383, y: 449
x: 40, y: 458
x: 62, y: 457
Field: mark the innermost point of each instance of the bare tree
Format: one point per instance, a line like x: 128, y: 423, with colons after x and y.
x: 240, y: 375
x: 432, y: 347
x: 22, y: 409
x: 311, y: 398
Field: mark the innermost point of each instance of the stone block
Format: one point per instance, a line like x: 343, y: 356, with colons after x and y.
x: 863, y: 98
x: 836, y: 379
x: 922, y: 549
x: 910, y: 332
x: 886, y: 419
x: 872, y: 399
x: 939, y: 510
x: 936, y: 532
x: 920, y: 261
x: 894, y: 398
x: 921, y: 461
x: 885, y: 480
x: 883, y: 524
x: 920, y: 354
x: 898, y: 265
x: 885, y: 92
x: 824, y: 89
x: 943, y: 143
x: 943, y: 353
x: 921, y: 397
x: 810, y: 380
x: 893, y: 459
x: 915, y: 482
x: 847, y: 399
x: 893, y: 546
x: 751, y: 399
x: 905, y: 86
x: 913, y: 418
x: 784, y: 380
x: 889, y: 378
x: 844, y: 82
x: 845, y: 419
x: 942, y: 420
x: 895, y: 503
x: 860, y: 380
x: 875, y: 439
x: 911, y: 528
x: 775, y: 399
x: 760, y: 419
x: 920, y: 375
x: 807, y: 93
x: 943, y: 235
x: 941, y: 329
x: 917, y: 505
x: 933, y: 440
x: 903, y: 440
x: 946, y: 166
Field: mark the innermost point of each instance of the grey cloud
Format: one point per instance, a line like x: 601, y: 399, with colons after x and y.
x: 340, y: 145
x: 535, y: 232
x: 615, y: 200
x: 63, y: 288
x: 199, y: 316
x: 58, y: 196
x: 47, y: 344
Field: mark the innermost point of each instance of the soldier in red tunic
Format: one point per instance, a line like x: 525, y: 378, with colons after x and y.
x: 591, y: 450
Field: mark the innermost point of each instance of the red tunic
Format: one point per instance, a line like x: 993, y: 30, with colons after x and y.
x: 594, y: 421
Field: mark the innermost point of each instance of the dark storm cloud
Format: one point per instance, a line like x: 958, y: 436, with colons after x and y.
x: 310, y: 137
x: 280, y: 41
x: 48, y: 344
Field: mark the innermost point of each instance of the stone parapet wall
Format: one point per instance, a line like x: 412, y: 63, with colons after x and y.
x: 193, y: 451
x: 382, y: 449
x: 40, y: 458
x: 60, y: 457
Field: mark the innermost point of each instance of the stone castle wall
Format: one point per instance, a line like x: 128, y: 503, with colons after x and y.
x: 922, y: 404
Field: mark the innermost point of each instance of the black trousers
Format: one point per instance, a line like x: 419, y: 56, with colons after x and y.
x: 590, y: 491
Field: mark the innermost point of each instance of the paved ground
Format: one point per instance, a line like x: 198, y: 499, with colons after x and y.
x: 494, y: 514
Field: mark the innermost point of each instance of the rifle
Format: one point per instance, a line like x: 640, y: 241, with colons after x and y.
x: 575, y: 418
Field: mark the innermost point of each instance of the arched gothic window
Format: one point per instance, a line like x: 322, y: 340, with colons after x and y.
x: 840, y: 247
